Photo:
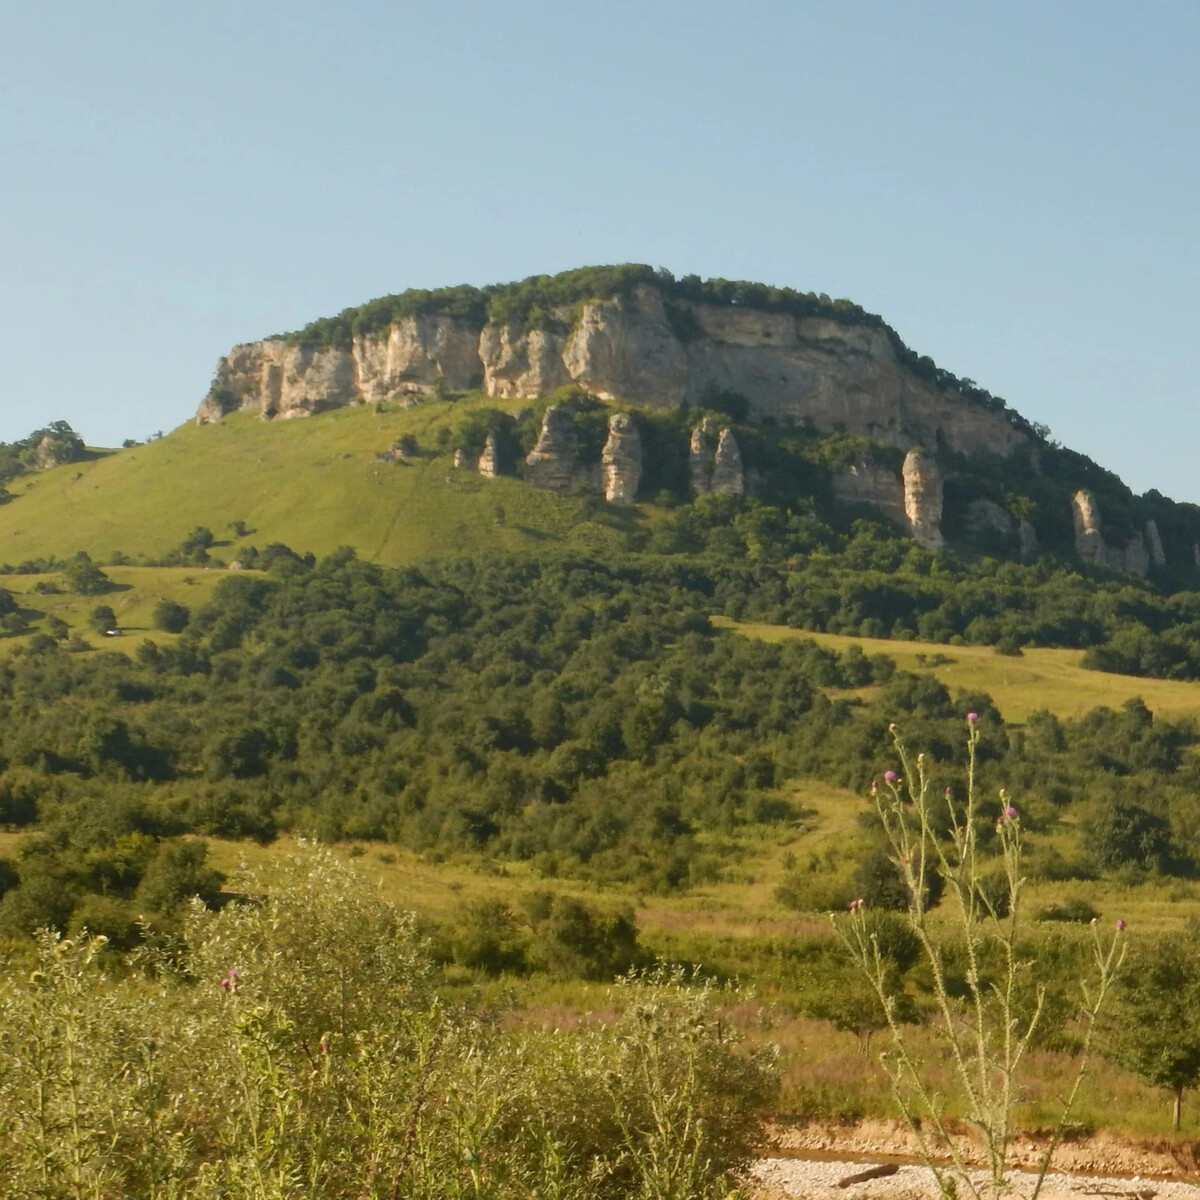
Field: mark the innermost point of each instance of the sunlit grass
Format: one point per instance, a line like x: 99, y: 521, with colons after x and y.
x: 1038, y: 679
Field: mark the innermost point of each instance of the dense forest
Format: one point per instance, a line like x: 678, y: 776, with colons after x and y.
x: 580, y: 715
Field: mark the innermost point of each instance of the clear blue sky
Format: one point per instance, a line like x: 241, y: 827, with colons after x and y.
x: 1013, y: 186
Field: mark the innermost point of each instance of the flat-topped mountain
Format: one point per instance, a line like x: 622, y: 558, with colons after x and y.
x: 626, y: 334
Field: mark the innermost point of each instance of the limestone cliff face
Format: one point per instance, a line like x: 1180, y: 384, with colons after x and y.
x: 627, y: 348
x: 1028, y: 539
x: 701, y: 450
x: 867, y: 482
x: 923, y: 499
x: 1134, y: 557
x: 728, y: 474
x: 551, y: 463
x: 985, y: 516
x: 1089, y: 540
x: 715, y: 461
x: 1157, y: 555
x: 621, y: 460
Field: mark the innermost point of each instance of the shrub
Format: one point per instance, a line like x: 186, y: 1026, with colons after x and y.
x: 170, y: 616
x: 102, y: 618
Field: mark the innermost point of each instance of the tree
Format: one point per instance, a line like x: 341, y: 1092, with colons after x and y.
x: 103, y: 618
x: 85, y: 578
x: 1156, y: 1027
x: 178, y: 872
x: 1123, y: 834
x: 170, y: 616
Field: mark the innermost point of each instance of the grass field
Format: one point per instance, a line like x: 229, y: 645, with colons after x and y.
x: 315, y: 484
x: 136, y: 592
x: 1049, y: 679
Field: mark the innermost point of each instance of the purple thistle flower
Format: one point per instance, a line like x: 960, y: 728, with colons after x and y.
x: 947, y: 793
x: 324, y: 1043
x: 1010, y: 812
x: 1120, y: 926
x: 972, y: 717
x: 889, y: 776
x: 225, y: 984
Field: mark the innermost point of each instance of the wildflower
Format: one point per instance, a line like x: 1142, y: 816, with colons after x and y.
x: 324, y: 1043
x: 892, y: 727
x: 889, y: 776
x: 1010, y: 812
x: 854, y: 906
x: 1120, y: 926
x: 972, y: 717
x: 947, y: 793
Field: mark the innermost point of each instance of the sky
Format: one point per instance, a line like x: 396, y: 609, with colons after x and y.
x: 1013, y: 186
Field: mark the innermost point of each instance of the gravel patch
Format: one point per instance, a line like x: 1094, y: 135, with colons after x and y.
x: 776, y: 1178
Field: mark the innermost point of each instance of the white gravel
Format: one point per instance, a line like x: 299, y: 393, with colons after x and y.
x: 816, y: 1180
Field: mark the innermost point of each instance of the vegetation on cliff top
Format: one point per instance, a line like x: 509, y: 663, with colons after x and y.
x: 532, y: 302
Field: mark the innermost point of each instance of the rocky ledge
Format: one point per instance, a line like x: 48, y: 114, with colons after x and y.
x: 637, y: 348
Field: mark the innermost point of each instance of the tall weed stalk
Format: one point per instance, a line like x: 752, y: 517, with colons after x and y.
x: 988, y: 1031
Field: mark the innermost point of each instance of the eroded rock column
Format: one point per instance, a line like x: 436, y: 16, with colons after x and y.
x: 621, y: 460
x: 923, y: 499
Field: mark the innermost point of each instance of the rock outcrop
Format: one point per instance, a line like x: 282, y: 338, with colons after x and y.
x: 715, y: 461
x: 728, y: 473
x: 552, y: 463
x: 1134, y: 557
x: 834, y: 373
x: 489, y: 460
x: 1027, y: 539
x: 923, y: 499
x: 1089, y: 539
x: 621, y: 460
x: 700, y: 458
x: 865, y: 481
x: 986, y: 516
x: 1157, y: 555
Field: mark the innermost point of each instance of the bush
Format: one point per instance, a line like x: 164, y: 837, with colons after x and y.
x: 84, y: 578
x: 1075, y: 910
x: 299, y: 1038
x: 170, y: 616
x: 102, y: 619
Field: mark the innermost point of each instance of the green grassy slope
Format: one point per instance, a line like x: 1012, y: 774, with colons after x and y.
x: 1039, y: 678
x: 315, y: 484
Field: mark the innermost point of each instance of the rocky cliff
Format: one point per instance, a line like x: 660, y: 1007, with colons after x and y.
x: 638, y: 347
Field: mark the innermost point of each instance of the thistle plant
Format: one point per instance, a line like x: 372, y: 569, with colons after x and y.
x: 988, y: 1031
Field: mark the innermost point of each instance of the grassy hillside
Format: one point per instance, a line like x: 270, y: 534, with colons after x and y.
x: 1037, y: 679
x: 314, y: 484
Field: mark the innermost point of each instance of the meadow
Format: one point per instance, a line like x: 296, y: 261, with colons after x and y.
x: 315, y: 484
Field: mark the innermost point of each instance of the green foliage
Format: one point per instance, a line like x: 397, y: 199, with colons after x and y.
x: 1125, y: 834
x: 1154, y: 1031
x: 57, y: 443
x: 170, y: 616
x: 296, y: 1046
x: 84, y: 578
x: 102, y: 619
